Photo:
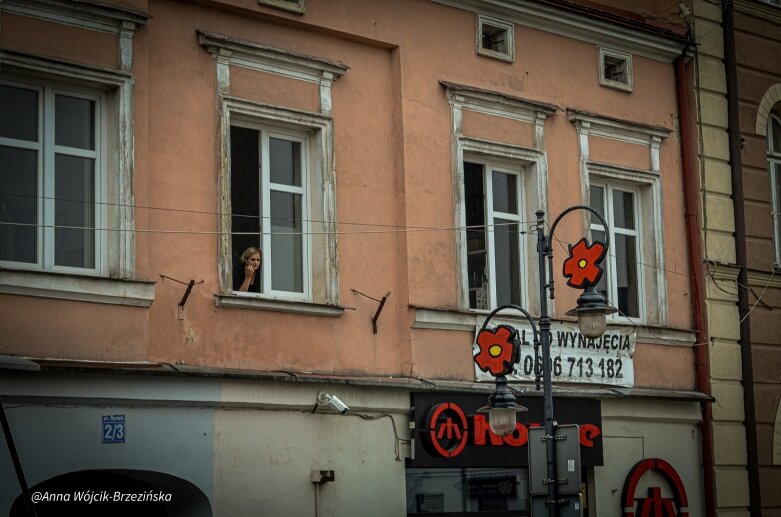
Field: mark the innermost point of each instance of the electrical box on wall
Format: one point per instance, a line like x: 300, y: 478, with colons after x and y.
x: 322, y: 477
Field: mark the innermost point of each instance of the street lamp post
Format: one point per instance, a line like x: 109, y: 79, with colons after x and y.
x: 500, y: 348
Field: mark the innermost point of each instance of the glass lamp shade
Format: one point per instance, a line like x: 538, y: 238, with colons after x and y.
x: 502, y: 420
x: 592, y: 323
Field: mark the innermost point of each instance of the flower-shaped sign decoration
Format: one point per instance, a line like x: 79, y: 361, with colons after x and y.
x: 582, y: 266
x: 497, y: 352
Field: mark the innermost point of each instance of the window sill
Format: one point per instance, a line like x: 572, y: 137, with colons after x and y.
x: 60, y: 286
x: 235, y: 301
x: 470, y: 320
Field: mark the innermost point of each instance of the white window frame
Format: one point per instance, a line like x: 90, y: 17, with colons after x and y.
x: 489, y: 167
x: 531, y: 167
x: 508, y: 56
x: 318, y: 212
x: 266, y: 187
x: 774, y: 171
x: 47, y: 150
x: 628, y: 86
x: 611, y: 259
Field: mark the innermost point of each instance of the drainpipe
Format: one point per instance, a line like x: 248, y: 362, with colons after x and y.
x: 696, y: 260
x: 736, y: 167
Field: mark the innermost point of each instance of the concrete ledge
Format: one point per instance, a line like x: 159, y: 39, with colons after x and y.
x: 137, y: 293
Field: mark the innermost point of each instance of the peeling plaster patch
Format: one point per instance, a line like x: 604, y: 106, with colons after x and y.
x: 189, y: 339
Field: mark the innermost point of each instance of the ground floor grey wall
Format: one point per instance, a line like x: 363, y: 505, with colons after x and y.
x: 248, y: 445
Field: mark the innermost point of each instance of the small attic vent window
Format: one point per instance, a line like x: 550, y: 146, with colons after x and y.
x: 294, y: 6
x: 495, y: 38
x: 615, y: 69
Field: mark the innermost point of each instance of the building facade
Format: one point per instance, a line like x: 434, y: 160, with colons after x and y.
x: 385, y: 162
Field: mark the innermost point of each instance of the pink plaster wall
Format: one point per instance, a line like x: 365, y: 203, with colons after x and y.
x: 46, y: 38
x: 393, y: 144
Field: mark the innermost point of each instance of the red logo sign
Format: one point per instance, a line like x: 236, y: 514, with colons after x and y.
x: 448, y: 431
x: 654, y: 505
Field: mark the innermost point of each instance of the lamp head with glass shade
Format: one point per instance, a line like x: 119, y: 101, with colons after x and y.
x: 499, y: 350
x: 583, y: 271
x: 592, y: 313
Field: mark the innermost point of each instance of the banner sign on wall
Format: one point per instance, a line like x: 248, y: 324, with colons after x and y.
x: 449, y: 432
x: 606, y: 360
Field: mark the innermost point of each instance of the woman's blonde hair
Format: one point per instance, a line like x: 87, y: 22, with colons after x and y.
x: 249, y: 252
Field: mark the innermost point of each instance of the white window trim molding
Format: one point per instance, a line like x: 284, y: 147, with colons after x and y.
x: 299, y: 7
x: 322, y: 177
x: 774, y: 171
x: 254, y: 56
x: 618, y: 85
x: 61, y: 286
x: 509, y: 56
x: 769, y: 99
x: 569, y: 23
x: 652, y: 210
x: 119, y: 21
x: 534, y: 160
x: 119, y: 162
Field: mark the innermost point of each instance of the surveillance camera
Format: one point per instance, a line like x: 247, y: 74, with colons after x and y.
x: 333, y: 401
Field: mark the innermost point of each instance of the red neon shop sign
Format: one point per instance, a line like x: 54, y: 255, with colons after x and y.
x: 449, y: 431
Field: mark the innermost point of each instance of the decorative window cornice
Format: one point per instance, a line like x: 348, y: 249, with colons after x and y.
x: 255, y: 56
x: 645, y: 41
x: 617, y: 129
x: 83, y: 14
x: 270, y: 59
x: 760, y: 9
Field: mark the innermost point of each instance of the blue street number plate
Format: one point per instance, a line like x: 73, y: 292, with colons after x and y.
x: 114, y: 429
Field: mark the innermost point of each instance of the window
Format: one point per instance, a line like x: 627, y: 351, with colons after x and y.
x: 495, y: 38
x: 269, y: 207
x: 52, y: 177
x: 621, y: 285
x: 615, y: 69
x: 495, y: 244
x: 774, y: 169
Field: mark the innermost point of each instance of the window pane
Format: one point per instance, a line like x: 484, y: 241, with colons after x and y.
x: 19, y: 113
x: 474, y: 202
x: 505, y: 193
x: 74, y: 122
x: 776, y: 129
x: 626, y: 276
x: 624, y: 209
x: 74, y: 206
x: 507, y: 253
x: 18, y: 204
x: 285, y: 160
x: 287, y: 254
x: 597, y: 195
x: 245, y: 190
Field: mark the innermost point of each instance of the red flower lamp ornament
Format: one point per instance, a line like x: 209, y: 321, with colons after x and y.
x: 499, y: 350
x: 583, y: 271
x: 582, y: 267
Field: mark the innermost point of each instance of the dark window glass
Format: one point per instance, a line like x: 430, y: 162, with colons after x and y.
x: 505, y: 193
x: 18, y: 204
x: 74, y: 211
x: 74, y: 122
x: 285, y: 162
x: 287, y: 251
x: 477, y: 254
x: 18, y: 113
x: 245, y: 191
